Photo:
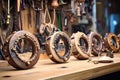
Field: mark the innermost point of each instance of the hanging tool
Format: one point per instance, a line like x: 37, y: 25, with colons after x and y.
x: 29, y: 15
x: 81, y: 8
x: 18, y: 5
x: 22, y: 5
x: 37, y: 6
x: 61, y: 2
x: 65, y: 15
x: 59, y: 20
x: 8, y: 13
x: 59, y: 14
x: 66, y: 18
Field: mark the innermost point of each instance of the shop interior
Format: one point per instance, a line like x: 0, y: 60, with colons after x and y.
x: 59, y: 39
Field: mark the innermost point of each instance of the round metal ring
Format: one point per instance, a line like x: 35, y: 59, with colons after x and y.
x: 111, y: 42
x: 96, y: 43
x: 58, y: 47
x: 15, y: 53
x: 80, y: 45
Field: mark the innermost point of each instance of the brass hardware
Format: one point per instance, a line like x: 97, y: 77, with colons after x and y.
x: 54, y: 3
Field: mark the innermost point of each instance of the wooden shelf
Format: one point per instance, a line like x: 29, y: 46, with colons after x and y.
x: 72, y: 70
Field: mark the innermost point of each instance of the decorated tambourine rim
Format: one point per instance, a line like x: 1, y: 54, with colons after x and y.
x: 76, y: 46
x: 96, y: 49
x: 5, y: 50
x: 119, y: 40
x: 51, y: 50
x: 12, y: 57
x: 108, y: 43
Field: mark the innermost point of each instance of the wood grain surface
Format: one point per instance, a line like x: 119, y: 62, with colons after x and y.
x: 72, y: 70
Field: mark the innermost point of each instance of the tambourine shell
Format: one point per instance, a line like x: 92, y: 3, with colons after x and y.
x: 77, y: 47
x: 54, y: 44
x: 96, y: 43
x: 111, y: 42
x: 13, y: 54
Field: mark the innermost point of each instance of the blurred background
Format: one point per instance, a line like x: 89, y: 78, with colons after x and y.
x: 107, y: 16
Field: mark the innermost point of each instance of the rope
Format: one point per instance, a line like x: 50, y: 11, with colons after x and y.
x: 47, y: 12
x: 54, y: 16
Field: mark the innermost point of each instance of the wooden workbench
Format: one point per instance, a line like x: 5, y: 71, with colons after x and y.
x: 72, y: 70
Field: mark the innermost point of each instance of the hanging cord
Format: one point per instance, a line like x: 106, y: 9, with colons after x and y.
x: 8, y: 6
x: 48, y: 25
x: 47, y: 13
x: 54, y: 16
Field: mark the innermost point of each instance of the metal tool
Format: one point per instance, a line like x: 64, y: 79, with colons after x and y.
x: 37, y: 6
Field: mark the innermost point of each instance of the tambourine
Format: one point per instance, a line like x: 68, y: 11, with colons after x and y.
x: 47, y: 29
x: 96, y: 43
x: 111, y: 42
x: 21, y: 50
x: 58, y: 47
x: 81, y: 48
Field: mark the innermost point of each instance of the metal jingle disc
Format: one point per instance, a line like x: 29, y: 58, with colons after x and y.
x: 96, y: 43
x: 58, y: 47
x: 18, y: 57
x: 111, y: 42
x: 80, y: 45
